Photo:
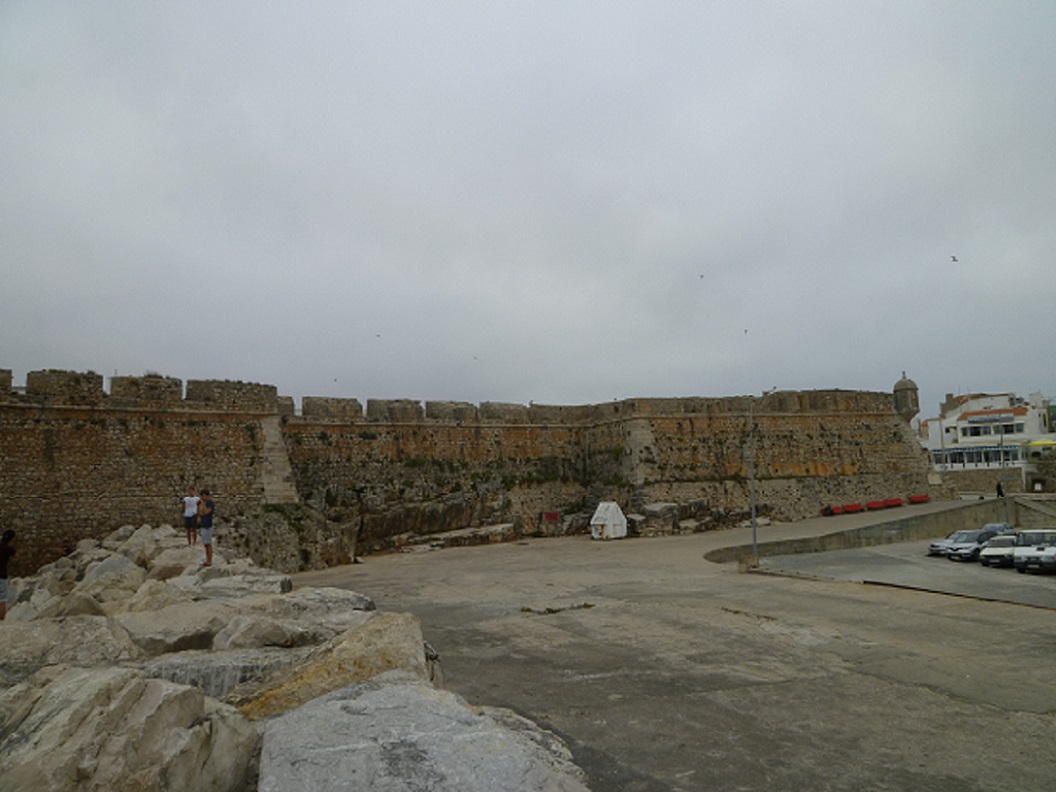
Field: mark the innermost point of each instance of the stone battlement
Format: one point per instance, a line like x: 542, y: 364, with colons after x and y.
x: 54, y: 387
x: 75, y: 389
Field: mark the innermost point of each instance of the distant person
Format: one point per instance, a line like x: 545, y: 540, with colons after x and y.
x: 1000, y: 490
x: 206, y: 509
x: 190, y: 516
x: 7, y: 550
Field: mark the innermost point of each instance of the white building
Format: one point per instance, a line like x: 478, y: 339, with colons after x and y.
x: 981, y: 431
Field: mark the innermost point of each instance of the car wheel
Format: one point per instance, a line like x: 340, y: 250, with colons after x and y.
x: 1021, y: 570
x: 984, y: 562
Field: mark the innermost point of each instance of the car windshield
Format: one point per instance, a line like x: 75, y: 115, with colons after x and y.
x: 1035, y: 538
x: 1002, y: 541
x: 965, y: 536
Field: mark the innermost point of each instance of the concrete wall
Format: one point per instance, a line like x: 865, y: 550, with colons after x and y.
x: 912, y: 527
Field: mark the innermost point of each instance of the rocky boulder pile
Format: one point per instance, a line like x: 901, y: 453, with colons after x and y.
x: 127, y: 666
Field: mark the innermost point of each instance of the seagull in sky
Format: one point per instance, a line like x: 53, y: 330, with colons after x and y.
x: 953, y: 258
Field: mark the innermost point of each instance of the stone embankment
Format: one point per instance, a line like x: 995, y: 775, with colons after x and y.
x: 127, y: 666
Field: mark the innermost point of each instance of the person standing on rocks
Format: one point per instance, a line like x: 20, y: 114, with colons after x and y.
x: 206, y: 507
x: 190, y: 516
x: 7, y: 549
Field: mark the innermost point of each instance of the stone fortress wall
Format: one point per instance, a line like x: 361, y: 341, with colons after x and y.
x: 78, y: 461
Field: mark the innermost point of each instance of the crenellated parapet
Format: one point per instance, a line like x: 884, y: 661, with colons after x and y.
x: 150, y: 389
x: 65, y: 387
x: 394, y: 410
x: 70, y: 388
x: 455, y: 412
x: 501, y: 412
x: 227, y: 394
x: 319, y: 407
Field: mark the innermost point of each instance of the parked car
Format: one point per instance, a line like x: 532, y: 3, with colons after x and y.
x: 966, y: 545
x: 1035, y: 549
x: 940, y: 546
x: 998, y: 551
x: 1000, y: 528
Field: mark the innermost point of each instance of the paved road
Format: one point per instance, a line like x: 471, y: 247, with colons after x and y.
x: 666, y: 672
x: 907, y: 564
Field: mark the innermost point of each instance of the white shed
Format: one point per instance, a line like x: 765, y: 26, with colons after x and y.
x: 608, y: 521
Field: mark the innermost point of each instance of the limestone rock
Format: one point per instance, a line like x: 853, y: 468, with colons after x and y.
x: 28, y: 646
x: 331, y: 609
x: 357, y: 738
x: 387, y: 642
x: 111, y: 729
x: 217, y: 674
x: 112, y: 658
x: 75, y: 604
x: 248, y: 632
x: 239, y: 586
x: 176, y: 628
x: 114, y: 578
x: 154, y: 595
x: 140, y: 547
x: 117, y: 537
x: 184, y: 556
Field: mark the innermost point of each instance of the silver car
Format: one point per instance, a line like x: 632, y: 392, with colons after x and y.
x: 966, y: 545
x: 940, y: 546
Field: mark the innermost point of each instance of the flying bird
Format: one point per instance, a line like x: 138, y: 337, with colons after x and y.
x: 953, y: 258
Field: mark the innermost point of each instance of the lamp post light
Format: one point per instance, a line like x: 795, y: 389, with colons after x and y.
x: 751, y: 478
x: 1004, y: 484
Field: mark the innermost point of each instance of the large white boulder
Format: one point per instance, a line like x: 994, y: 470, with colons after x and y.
x: 27, y: 646
x: 114, y: 578
x: 176, y: 628
x: 112, y: 729
x: 362, y: 737
x: 387, y: 642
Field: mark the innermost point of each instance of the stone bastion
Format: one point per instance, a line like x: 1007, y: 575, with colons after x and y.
x: 299, y: 489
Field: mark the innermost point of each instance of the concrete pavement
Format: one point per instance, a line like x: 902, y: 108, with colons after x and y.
x: 664, y: 671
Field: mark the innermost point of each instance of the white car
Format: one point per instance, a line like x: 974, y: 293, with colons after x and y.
x: 998, y: 551
x: 1035, y: 549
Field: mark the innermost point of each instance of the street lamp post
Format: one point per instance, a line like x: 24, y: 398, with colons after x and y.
x: 751, y: 477
x: 1004, y: 483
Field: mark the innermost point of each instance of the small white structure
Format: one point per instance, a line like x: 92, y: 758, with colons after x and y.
x: 608, y: 521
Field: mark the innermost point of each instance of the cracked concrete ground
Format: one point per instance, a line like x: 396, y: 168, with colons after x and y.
x: 664, y: 671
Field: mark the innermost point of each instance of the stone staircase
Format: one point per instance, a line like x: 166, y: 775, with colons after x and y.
x: 277, y: 474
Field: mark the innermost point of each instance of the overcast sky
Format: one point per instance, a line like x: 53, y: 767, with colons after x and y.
x: 559, y: 202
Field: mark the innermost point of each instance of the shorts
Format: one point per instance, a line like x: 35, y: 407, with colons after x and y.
x: 3, y: 590
x: 206, y: 534
x: 190, y: 523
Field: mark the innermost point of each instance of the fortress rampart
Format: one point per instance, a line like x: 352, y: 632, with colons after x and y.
x: 78, y: 461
